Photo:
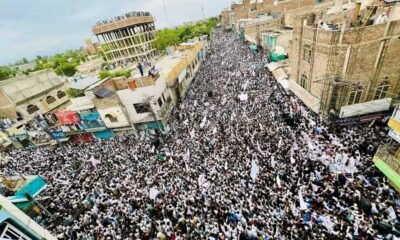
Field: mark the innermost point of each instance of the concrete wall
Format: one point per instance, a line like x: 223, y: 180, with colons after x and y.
x: 41, y: 103
x: 116, y: 112
x: 129, y: 97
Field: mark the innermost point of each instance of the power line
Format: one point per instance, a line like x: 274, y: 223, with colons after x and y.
x: 166, y: 14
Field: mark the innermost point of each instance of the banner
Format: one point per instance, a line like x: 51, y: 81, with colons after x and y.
x: 67, y: 117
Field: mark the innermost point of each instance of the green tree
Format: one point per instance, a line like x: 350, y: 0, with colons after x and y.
x: 105, y: 74
x: 6, y: 73
x: 73, y: 93
x: 168, y: 37
x: 121, y: 73
x: 67, y: 69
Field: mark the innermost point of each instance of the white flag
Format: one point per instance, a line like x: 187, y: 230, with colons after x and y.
x: 278, y: 181
x: 186, y: 156
x: 94, y: 161
x: 192, y: 134
x: 153, y: 193
x: 303, y: 205
x: 392, y: 213
x: 259, y: 149
x: 254, y: 170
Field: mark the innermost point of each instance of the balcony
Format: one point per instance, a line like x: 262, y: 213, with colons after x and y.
x: 386, y: 161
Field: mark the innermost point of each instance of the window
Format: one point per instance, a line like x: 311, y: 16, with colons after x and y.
x: 381, y: 91
x: 8, y: 231
x: 111, y: 118
x: 141, y: 108
x: 50, y: 99
x: 303, y: 81
x: 160, y: 101
x: 32, y: 109
x: 61, y: 94
x: 355, y: 95
x: 307, y: 53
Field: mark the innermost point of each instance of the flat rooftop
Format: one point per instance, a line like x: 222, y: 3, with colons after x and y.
x: 122, y: 21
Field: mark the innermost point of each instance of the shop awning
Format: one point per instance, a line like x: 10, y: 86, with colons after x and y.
x: 253, y: 47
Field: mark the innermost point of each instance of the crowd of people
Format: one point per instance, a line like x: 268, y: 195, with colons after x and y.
x: 243, y: 160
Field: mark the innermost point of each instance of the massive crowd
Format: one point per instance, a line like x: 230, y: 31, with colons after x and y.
x: 243, y: 160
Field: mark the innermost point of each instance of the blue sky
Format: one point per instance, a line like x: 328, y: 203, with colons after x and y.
x: 43, y: 27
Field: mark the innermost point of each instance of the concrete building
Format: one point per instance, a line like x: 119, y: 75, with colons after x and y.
x: 15, y: 224
x: 17, y: 203
x: 335, y: 67
x: 127, y: 38
x: 25, y: 98
x: 256, y: 8
x: 89, y: 46
x: 145, y: 102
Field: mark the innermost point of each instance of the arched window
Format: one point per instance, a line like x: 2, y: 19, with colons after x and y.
x: 32, y: 109
x: 111, y: 118
x: 303, y: 81
x: 382, y: 90
x: 355, y: 95
x: 61, y: 94
x: 50, y: 99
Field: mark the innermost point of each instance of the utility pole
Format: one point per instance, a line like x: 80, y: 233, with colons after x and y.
x: 202, y: 9
x: 166, y: 14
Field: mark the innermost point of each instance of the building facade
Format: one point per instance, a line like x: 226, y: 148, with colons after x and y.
x: 127, y: 38
x: 340, y: 66
x: 24, y: 103
x: 18, y: 205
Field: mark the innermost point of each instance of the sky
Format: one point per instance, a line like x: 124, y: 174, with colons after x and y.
x: 45, y: 27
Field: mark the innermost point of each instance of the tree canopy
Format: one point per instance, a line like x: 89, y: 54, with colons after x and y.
x: 6, y: 72
x: 106, y: 74
x: 173, y: 36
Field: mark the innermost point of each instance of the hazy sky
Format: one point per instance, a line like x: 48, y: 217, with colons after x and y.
x: 42, y: 27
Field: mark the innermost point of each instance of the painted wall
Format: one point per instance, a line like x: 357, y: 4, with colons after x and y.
x: 115, y: 112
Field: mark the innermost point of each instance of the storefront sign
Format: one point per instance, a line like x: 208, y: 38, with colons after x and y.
x: 57, y: 135
x: 395, y: 135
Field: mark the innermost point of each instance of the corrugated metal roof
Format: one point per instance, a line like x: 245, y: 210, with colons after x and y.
x: 84, y: 83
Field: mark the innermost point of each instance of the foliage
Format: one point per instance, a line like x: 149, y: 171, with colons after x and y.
x: 67, y: 69
x: 73, y: 93
x: 121, y: 73
x: 62, y: 63
x: 105, y: 74
x: 6, y: 72
x: 168, y: 37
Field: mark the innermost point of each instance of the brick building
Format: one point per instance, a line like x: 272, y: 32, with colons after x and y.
x: 256, y: 8
x: 343, y: 65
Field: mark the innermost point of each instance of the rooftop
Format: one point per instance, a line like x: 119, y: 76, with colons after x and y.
x: 122, y: 21
x: 84, y: 83
x: 21, y: 88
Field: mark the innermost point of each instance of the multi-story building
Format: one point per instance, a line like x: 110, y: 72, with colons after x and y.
x: 89, y: 46
x: 148, y: 100
x: 127, y: 38
x: 27, y: 98
x: 18, y: 205
x: 341, y: 68
x: 256, y: 8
